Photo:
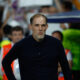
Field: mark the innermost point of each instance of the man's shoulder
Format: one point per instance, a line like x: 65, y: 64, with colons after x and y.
x: 51, y: 38
x: 24, y: 40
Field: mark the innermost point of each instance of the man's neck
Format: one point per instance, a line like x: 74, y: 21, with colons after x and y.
x: 37, y: 40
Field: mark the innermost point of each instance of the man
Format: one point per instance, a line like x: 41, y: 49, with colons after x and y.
x: 38, y: 54
x: 59, y: 36
x: 72, y: 42
x: 16, y: 35
x: 3, y: 42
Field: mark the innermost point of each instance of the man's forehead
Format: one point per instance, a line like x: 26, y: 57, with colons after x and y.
x: 39, y: 20
x: 16, y: 31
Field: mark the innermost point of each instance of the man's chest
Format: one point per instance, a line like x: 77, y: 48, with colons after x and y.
x: 39, y: 54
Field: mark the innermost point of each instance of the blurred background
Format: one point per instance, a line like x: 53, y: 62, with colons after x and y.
x: 63, y: 16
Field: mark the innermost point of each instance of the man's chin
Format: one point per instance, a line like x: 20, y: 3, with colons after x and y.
x: 40, y: 37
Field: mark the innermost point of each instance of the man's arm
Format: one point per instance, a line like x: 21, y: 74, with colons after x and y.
x: 69, y: 58
x: 64, y: 63
x: 6, y: 63
x: 58, y: 5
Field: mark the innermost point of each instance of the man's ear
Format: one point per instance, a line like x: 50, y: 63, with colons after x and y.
x: 46, y: 26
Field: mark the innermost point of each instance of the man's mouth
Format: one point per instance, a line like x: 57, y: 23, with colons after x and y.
x: 40, y: 33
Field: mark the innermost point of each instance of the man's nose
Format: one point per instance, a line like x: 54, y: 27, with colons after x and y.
x: 40, y: 27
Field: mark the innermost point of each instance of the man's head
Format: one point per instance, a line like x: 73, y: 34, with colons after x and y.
x: 38, y: 26
x: 58, y: 35
x: 52, y: 10
x: 67, y: 6
x: 45, y: 9
x: 17, y: 34
x: 7, y: 30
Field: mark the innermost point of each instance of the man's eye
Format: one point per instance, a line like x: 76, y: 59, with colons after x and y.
x: 36, y: 24
x: 44, y: 25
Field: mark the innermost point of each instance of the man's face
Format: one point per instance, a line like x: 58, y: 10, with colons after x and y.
x: 17, y: 36
x: 39, y: 27
x: 52, y: 10
x: 45, y: 10
x: 56, y: 35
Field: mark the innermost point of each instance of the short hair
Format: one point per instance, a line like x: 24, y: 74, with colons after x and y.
x: 7, y: 29
x: 37, y: 15
x: 59, y: 33
x: 17, y: 28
